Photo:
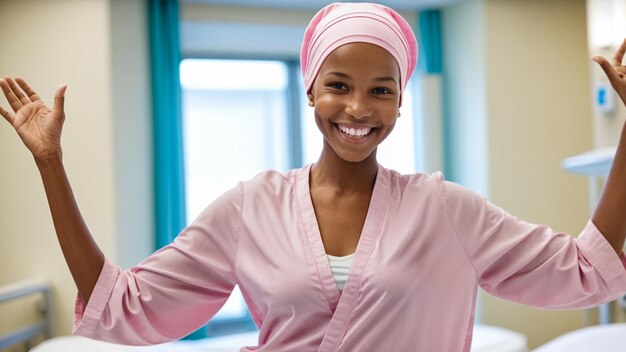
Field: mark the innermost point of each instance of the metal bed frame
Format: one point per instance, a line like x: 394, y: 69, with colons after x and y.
x: 43, y: 327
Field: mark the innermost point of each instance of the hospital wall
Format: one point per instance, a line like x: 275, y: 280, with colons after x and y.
x: 531, y: 57
x: 542, y: 118
x: 99, y: 48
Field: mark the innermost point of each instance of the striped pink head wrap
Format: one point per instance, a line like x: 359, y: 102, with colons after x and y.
x: 342, y: 23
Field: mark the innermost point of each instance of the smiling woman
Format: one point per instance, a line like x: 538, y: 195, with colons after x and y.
x: 413, y: 249
x: 257, y: 137
x: 357, y: 99
x: 401, y: 150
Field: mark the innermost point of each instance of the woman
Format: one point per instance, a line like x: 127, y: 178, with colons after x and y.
x: 417, y: 246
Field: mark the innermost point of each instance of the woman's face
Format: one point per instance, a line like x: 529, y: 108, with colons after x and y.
x: 356, y: 95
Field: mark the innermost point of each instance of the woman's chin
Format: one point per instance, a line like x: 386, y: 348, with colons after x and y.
x: 352, y: 157
x: 350, y: 154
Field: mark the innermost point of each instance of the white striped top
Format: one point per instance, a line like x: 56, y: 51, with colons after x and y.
x: 340, y: 266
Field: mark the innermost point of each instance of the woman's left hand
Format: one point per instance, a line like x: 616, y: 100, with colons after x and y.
x: 609, y: 213
x: 615, y: 70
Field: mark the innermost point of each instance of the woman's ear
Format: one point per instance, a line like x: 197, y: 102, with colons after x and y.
x: 311, y: 99
x: 400, y: 103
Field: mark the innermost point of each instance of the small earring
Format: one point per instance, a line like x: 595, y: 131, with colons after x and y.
x: 311, y: 103
x: 398, y: 114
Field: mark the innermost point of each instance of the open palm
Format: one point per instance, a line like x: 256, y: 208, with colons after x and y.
x: 38, y: 126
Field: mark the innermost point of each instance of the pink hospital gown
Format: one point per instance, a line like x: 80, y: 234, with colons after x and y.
x: 426, y: 246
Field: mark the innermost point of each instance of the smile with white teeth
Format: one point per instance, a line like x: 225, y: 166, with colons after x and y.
x: 355, y: 132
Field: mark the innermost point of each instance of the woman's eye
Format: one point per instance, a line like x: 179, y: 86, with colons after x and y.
x: 337, y: 85
x: 382, y: 91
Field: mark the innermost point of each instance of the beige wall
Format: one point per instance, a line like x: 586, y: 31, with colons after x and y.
x: 70, y: 41
x: 537, y: 111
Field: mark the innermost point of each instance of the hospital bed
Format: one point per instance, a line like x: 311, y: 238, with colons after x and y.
x: 486, y: 338
x: 599, y: 338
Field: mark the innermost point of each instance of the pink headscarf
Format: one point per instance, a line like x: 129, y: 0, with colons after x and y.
x: 342, y: 23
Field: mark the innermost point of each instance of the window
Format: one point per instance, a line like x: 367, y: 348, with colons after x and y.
x: 238, y: 120
x: 234, y: 118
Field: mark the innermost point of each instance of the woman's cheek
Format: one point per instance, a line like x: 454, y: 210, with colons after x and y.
x: 328, y: 99
x: 326, y: 106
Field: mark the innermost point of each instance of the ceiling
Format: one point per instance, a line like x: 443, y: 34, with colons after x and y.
x: 318, y: 4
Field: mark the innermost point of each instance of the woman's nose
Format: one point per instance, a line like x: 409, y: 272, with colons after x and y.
x: 358, y: 106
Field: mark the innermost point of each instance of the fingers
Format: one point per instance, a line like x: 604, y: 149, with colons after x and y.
x: 27, y: 89
x: 619, y: 55
x: 14, y: 102
x: 59, y: 100
x: 17, y: 91
x: 7, y: 115
x: 610, y: 72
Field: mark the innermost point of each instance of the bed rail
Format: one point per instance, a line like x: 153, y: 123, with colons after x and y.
x: 40, y: 328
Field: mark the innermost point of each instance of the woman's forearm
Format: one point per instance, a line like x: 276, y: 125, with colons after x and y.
x: 610, y: 214
x: 39, y: 127
x: 83, y: 257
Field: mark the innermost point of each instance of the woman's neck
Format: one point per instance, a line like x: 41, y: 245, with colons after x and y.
x: 344, y: 176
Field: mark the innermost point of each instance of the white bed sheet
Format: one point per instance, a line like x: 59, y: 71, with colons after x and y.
x: 486, y: 339
x: 600, y: 338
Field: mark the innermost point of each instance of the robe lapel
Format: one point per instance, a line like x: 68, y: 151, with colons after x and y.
x: 342, y: 304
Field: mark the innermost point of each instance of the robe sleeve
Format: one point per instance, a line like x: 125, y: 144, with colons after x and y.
x: 532, y: 264
x: 175, y: 290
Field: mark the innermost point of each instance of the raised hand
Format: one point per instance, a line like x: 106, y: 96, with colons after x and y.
x: 38, y: 126
x: 615, y: 70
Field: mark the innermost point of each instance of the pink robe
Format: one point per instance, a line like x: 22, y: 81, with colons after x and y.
x: 426, y: 246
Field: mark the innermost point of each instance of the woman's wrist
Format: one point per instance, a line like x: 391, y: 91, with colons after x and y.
x: 49, y: 159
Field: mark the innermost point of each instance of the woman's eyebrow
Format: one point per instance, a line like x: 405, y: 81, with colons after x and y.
x: 385, y: 79
x: 339, y: 74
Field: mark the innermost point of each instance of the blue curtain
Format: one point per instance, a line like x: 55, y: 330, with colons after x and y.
x: 169, y: 180
x: 167, y: 124
x: 431, y: 60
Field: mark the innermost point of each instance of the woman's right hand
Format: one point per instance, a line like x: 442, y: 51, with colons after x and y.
x: 38, y: 126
